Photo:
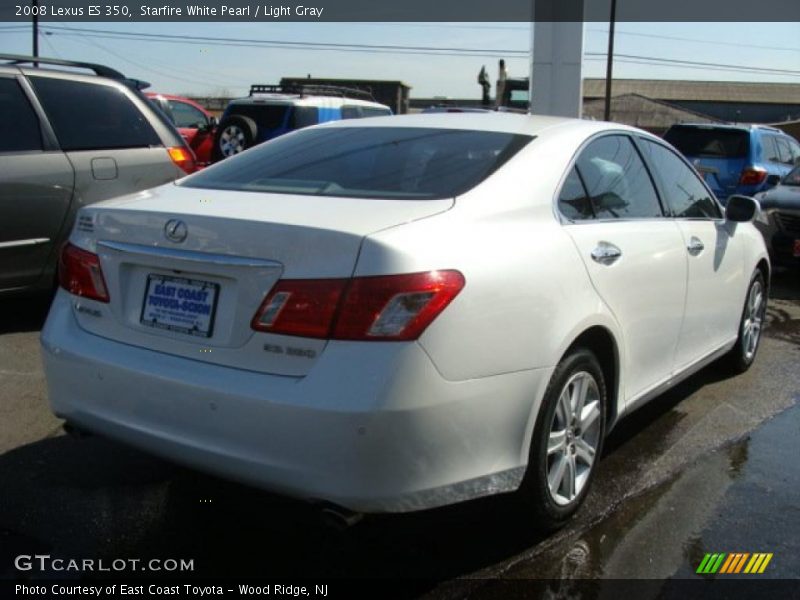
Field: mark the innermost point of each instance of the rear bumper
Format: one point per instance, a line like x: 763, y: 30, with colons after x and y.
x: 373, y: 427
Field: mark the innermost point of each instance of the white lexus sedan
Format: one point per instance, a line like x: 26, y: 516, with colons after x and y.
x: 405, y: 312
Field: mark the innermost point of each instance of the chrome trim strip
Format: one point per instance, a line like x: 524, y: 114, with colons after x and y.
x: 679, y: 376
x: 200, y: 257
x: 19, y: 243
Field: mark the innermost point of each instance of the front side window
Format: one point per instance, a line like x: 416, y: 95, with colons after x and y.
x: 684, y: 193
x: 187, y: 116
x: 19, y: 125
x: 367, y: 162
x: 87, y: 116
x: 617, y: 181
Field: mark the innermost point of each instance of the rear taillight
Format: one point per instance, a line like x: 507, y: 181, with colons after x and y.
x: 79, y: 273
x: 753, y: 176
x: 183, y: 158
x: 304, y: 307
x: 390, y: 307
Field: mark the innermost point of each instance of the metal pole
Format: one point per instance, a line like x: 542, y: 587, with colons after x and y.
x: 35, y: 5
x: 610, y: 60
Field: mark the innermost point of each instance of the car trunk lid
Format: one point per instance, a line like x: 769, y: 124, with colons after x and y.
x: 187, y: 268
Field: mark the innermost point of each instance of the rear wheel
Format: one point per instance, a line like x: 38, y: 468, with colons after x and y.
x: 234, y: 135
x: 743, y: 354
x: 567, y: 441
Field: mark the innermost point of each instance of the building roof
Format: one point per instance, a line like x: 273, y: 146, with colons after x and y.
x: 343, y: 80
x: 639, y: 111
x: 710, y: 91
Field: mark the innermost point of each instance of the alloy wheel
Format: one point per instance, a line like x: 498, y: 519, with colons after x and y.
x: 753, y: 320
x: 574, y: 438
x: 231, y: 140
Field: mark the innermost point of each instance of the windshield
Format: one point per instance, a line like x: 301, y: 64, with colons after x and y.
x: 369, y: 162
x: 709, y: 142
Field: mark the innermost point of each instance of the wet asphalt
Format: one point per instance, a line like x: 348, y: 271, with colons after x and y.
x: 710, y: 466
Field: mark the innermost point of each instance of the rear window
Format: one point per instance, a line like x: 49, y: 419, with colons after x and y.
x: 712, y: 143
x: 87, y: 116
x: 266, y: 116
x: 370, y: 162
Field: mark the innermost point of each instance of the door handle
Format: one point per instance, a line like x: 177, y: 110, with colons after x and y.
x: 606, y: 253
x: 695, y: 246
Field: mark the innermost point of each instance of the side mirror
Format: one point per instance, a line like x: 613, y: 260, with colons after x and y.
x: 212, y: 122
x: 741, y: 209
x: 773, y: 180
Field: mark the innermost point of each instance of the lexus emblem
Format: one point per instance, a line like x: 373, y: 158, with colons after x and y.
x: 176, y: 231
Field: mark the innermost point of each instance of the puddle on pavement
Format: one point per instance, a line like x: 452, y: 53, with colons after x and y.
x: 742, y: 498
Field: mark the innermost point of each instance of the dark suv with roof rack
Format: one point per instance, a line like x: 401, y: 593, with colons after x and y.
x: 272, y: 110
x: 69, y: 139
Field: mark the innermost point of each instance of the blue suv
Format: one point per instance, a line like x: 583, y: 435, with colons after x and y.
x: 736, y: 159
x: 272, y: 110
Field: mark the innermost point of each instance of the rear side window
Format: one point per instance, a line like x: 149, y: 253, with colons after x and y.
x: 367, y: 162
x: 304, y: 116
x: 573, y: 201
x: 351, y: 112
x: 370, y: 111
x: 784, y: 151
x: 87, y: 116
x: 616, y: 180
x: 266, y: 116
x: 686, y: 196
x: 186, y: 115
x: 710, y: 142
x: 19, y: 125
x: 770, y: 149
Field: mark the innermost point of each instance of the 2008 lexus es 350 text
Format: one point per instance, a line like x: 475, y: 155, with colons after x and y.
x: 405, y: 312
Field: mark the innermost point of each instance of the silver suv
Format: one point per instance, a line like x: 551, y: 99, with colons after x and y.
x: 66, y: 140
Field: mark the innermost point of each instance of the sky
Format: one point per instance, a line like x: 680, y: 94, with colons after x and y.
x: 201, y: 67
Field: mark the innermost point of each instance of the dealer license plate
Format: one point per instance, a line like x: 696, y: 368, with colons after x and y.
x: 180, y: 304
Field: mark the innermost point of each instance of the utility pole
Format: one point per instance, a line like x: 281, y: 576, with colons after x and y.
x: 610, y: 60
x: 35, y: 13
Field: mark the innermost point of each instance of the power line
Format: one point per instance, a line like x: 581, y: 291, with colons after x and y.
x: 695, y: 40
x: 680, y: 62
x: 396, y: 49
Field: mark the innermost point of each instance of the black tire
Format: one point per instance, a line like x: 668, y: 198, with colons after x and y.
x: 538, y: 503
x: 743, y: 354
x: 234, y: 134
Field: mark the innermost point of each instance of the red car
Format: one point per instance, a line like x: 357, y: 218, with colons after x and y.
x: 194, y: 123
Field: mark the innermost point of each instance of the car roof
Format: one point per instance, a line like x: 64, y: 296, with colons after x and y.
x: 304, y: 100
x: 535, y: 125
x: 732, y: 126
x: 174, y: 97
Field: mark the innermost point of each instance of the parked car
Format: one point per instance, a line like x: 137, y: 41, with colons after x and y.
x: 405, y: 312
x: 779, y: 220
x: 273, y: 110
x: 66, y: 140
x: 195, y: 124
x: 736, y: 159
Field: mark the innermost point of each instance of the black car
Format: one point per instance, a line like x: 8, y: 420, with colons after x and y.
x: 779, y: 220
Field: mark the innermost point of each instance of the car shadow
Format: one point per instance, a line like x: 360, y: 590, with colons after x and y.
x: 91, y: 497
x: 20, y: 314
x: 96, y: 497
